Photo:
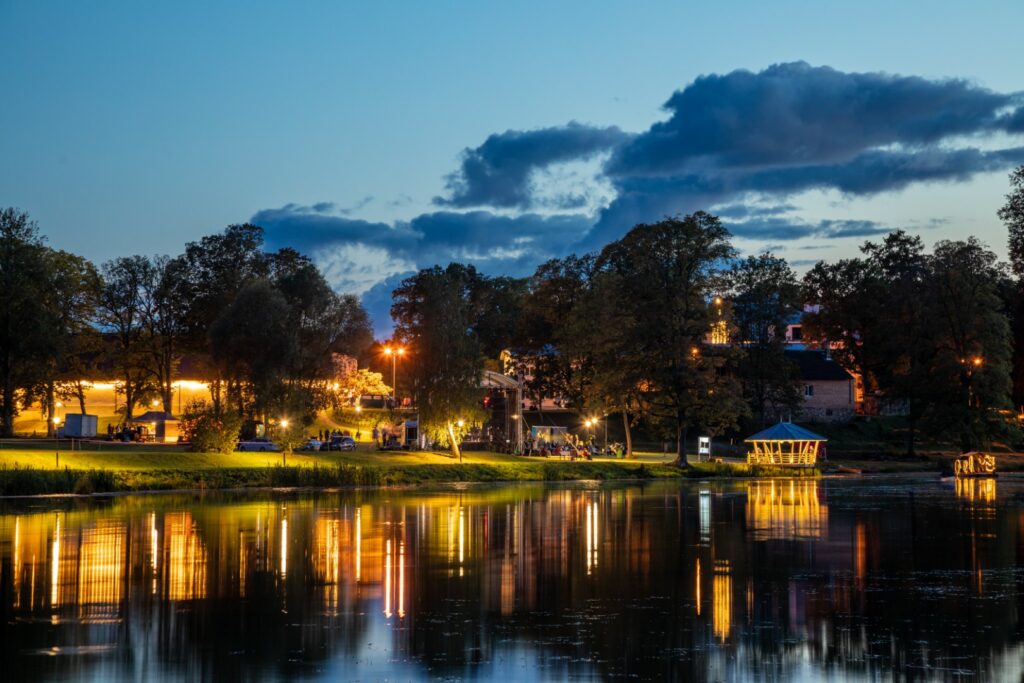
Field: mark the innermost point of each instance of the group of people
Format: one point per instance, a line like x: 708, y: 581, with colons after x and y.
x: 327, y: 434
x: 128, y: 433
x: 385, y: 437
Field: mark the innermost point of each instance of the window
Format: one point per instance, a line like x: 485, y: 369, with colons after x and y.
x: 808, y: 390
x: 796, y: 332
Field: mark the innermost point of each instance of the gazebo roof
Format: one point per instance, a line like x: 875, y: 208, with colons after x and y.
x: 786, y: 431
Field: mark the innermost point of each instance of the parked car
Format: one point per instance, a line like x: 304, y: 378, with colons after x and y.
x: 342, y: 443
x: 314, y: 444
x: 261, y: 445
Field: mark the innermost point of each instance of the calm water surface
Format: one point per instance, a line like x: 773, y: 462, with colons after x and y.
x: 865, y: 579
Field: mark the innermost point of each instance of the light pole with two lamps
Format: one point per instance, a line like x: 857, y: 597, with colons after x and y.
x: 394, y: 352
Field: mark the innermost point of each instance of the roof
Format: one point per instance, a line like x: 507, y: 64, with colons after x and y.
x: 154, y: 416
x: 814, y: 365
x: 786, y: 431
x: 496, y: 380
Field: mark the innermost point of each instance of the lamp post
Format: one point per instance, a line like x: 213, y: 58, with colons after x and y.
x: 284, y: 450
x: 56, y: 441
x: 395, y: 352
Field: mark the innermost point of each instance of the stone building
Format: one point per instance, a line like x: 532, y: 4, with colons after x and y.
x: 828, y: 389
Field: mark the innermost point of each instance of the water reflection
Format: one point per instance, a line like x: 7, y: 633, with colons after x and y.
x: 766, y: 579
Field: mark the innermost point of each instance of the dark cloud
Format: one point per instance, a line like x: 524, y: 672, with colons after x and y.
x: 1014, y: 122
x: 741, y: 143
x: 497, y: 173
x: 751, y: 210
x: 377, y: 302
x: 793, y: 128
x: 309, y: 228
x: 796, y: 114
x: 491, y: 241
x: 777, y: 228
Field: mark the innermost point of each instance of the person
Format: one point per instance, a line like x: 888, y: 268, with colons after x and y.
x: 376, y: 437
x: 359, y: 435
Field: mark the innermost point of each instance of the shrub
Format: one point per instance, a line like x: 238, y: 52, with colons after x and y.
x: 209, y: 430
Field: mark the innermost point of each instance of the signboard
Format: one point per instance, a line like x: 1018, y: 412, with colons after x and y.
x: 704, y: 448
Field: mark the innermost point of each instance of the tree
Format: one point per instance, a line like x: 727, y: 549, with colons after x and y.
x: 252, y: 346
x: 764, y: 295
x: 904, y: 341
x: 69, y: 303
x: 499, y: 305
x: 604, y: 377
x: 121, y: 314
x: 1012, y: 214
x: 435, y: 315
x: 215, y: 269
x: 970, y: 379
x: 549, y: 362
x: 667, y: 274
x: 362, y: 382
x: 844, y: 318
x: 164, y: 311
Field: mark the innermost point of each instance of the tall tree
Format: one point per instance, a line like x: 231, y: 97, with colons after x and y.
x: 845, y: 314
x: 164, y: 310
x: 121, y: 314
x: 764, y: 295
x: 435, y: 315
x: 69, y: 303
x: 25, y: 332
x: 667, y: 275
x: 215, y: 269
x: 971, y: 375
x: 1012, y: 214
x: 549, y: 361
x: 905, y: 330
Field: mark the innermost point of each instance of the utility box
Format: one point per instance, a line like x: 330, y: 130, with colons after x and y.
x: 79, y: 426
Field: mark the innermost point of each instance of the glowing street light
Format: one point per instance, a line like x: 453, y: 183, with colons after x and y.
x: 394, y: 352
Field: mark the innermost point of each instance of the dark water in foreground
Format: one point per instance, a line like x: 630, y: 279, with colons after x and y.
x: 836, y: 579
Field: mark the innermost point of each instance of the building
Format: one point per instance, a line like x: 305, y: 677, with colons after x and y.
x: 828, y: 389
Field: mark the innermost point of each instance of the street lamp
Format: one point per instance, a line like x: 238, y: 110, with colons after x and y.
x: 56, y: 441
x: 395, y: 352
x: 284, y: 450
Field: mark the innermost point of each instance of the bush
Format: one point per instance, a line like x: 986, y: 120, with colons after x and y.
x: 209, y: 430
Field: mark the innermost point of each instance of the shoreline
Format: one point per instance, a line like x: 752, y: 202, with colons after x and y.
x: 28, y: 482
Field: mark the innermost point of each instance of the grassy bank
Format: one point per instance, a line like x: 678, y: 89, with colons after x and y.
x: 208, y: 473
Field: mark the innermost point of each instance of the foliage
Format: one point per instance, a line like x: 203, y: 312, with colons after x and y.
x: 362, y: 382
x: 666, y: 275
x: 210, y: 430
x: 764, y: 295
x: 434, y: 314
x: 1012, y: 214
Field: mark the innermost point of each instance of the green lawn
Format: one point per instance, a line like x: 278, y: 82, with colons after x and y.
x: 136, y: 458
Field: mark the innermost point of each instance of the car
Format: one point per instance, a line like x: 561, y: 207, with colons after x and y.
x: 313, y: 444
x: 261, y: 445
x: 341, y: 443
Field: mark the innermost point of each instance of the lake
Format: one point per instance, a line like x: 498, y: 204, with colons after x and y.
x: 833, y: 579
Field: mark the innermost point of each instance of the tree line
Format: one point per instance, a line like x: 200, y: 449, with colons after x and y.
x: 260, y: 326
x: 668, y: 326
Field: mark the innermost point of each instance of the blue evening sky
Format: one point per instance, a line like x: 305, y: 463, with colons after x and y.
x: 133, y: 127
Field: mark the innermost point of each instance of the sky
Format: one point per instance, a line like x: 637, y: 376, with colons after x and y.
x: 384, y: 137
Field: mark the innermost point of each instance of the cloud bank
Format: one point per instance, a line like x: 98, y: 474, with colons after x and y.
x: 742, y: 143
